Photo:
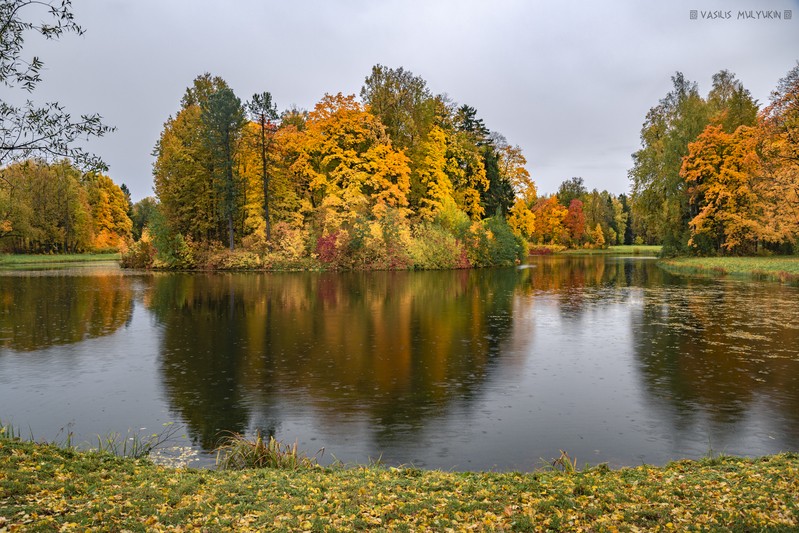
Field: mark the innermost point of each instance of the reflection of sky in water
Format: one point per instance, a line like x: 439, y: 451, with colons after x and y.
x: 97, y: 386
x: 610, y: 359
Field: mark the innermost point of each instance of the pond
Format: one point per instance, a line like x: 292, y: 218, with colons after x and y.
x: 609, y: 358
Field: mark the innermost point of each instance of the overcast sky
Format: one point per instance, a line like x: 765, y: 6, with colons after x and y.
x: 570, y: 82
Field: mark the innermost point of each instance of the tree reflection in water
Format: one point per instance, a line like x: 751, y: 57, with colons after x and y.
x: 388, y: 348
x: 39, y: 310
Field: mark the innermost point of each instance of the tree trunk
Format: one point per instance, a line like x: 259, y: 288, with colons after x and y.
x: 265, y: 179
x: 230, y: 230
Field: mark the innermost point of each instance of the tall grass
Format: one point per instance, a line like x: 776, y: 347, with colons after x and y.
x: 564, y: 463
x: 132, y: 444
x: 237, y: 452
x: 9, y: 432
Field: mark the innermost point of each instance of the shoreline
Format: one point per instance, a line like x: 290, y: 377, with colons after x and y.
x: 44, y: 486
x: 23, y: 261
x: 782, y: 269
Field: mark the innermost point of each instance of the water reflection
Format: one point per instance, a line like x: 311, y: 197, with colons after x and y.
x: 42, y: 309
x: 716, y: 356
x: 609, y: 358
x: 395, y: 348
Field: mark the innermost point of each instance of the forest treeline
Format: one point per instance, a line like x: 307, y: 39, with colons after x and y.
x: 400, y: 178
x: 404, y: 178
x: 56, y: 208
x: 719, y: 175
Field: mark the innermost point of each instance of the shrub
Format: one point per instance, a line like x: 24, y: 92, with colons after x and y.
x: 455, y: 221
x: 288, y: 243
x: 237, y: 453
x: 237, y: 260
x: 506, y: 248
x: 326, y: 247
x: 396, y: 241
x: 433, y: 247
x: 141, y: 254
x: 172, y: 249
x: 493, y: 243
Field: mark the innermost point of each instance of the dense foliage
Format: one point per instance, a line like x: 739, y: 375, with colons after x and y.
x: 402, y: 179
x: 55, y: 208
x: 718, y: 175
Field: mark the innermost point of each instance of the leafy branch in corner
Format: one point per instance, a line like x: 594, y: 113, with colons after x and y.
x: 46, y: 131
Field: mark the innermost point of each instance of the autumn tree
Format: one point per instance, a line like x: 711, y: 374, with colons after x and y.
x: 184, y: 173
x: 513, y: 166
x: 294, y: 116
x: 433, y: 176
x: 263, y: 112
x: 619, y: 222
x: 142, y: 213
x: 575, y: 221
x: 598, y: 236
x: 465, y: 163
x: 111, y: 225
x: 659, y: 195
x: 719, y: 169
x: 730, y: 104
x: 549, y: 221
x: 402, y: 102
x: 778, y: 145
x: 598, y: 209
x: 347, y: 163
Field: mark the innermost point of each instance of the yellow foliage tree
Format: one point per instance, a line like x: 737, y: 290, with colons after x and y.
x: 432, y: 174
x: 112, y: 226
x: 549, y: 221
x: 250, y: 169
x: 598, y: 236
x: 512, y: 165
x: 467, y: 173
x: 521, y: 219
x: 720, y: 169
x: 779, y: 144
x: 347, y: 162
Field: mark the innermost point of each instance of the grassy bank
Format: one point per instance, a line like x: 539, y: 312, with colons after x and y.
x: 26, y: 260
x: 44, y: 488
x: 643, y: 249
x: 779, y: 268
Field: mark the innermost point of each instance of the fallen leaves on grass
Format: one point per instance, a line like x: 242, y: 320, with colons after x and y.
x: 46, y: 488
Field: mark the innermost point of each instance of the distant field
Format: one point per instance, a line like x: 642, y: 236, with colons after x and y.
x: 779, y: 268
x: 643, y: 249
x: 14, y: 260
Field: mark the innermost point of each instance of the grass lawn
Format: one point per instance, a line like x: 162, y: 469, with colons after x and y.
x: 15, y: 260
x: 778, y: 268
x: 45, y: 488
x: 644, y: 249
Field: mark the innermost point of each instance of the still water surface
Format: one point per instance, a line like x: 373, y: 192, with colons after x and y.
x: 609, y: 358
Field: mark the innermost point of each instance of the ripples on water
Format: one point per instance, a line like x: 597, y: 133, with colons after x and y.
x: 609, y: 358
